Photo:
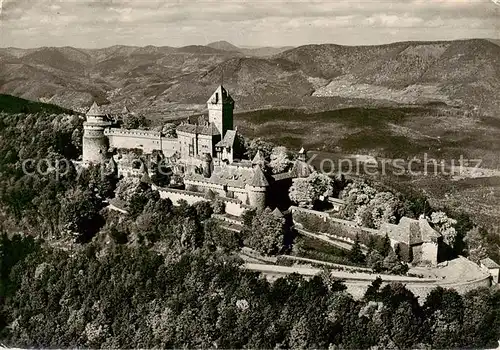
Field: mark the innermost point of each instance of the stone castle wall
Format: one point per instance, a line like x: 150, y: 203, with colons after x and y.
x: 140, y: 139
x: 238, y: 193
x: 146, y: 140
x: 257, y: 197
x: 233, y: 206
x: 169, y: 146
x: 348, y: 225
x: 338, y: 228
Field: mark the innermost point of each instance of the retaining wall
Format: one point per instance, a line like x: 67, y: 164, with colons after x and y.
x: 327, y: 217
x: 339, y: 229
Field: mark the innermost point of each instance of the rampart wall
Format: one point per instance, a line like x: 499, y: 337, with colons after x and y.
x: 227, y: 219
x: 170, y: 146
x: 349, y: 225
x: 146, y: 140
x: 342, y: 230
x: 199, y: 185
x: 232, y: 206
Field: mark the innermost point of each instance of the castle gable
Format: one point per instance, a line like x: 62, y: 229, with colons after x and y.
x: 301, y: 169
x: 258, y: 159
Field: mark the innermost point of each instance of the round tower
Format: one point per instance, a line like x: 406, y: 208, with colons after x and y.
x: 208, y: 165
x: 95, y: 143
x: 257, y: 189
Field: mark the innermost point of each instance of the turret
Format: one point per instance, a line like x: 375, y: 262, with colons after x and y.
x: 208, y: 165
x: 257, y: 189
x: 220, y: 110
x: 259, y: 160
x: 302, y: 155
x: 95, y: 143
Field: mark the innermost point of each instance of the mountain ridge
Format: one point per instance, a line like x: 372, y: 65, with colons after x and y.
x: 158, y: 79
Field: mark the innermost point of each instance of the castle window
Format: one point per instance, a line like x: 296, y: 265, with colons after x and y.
x: 216, y: 97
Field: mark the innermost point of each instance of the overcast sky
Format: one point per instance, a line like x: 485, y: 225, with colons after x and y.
x: 101, y: 23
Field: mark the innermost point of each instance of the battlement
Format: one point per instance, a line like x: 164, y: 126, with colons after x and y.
x: 132, y: 133
x: 146, y: 140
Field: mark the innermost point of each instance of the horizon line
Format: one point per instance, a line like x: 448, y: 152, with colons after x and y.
x: 245, y: 46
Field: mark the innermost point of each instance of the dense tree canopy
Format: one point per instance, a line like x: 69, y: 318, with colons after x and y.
x: 308, y: 191
x: 134, y: 121
x: 133, y: 298
x: 267, y: 233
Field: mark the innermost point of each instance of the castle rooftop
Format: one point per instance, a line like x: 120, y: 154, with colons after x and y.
x: 490, y: 264
x: 95, y: 111
x: 220, y: 95
x: 258, y: 159
x: 229, y: 139
x: 411, y: 231
x: 259, y: 179
x: 204, y: 129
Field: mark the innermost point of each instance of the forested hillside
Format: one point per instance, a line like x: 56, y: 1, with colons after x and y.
x: 133, y: 298
x: 11, y: 104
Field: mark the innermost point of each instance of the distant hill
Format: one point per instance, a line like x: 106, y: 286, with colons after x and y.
x: 454, y: 72
x: 12, y: 104
x: 256, y: 52
x: 200, y: 49
x: 224, y: 45
x: 159, y: 80
x: 495, y: 41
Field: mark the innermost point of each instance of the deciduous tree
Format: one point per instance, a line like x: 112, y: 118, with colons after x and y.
x: 307, y: 191
x: 267, y: 233
x: 445, y: 226
x: 280, y: 160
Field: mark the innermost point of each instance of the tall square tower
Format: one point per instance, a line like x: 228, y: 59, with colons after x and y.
x: 220, y: 110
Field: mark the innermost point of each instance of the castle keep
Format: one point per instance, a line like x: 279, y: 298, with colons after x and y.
x: 206, y: 153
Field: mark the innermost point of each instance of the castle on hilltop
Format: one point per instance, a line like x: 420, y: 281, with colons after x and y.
x: 211, y: 134
x: 206, y: 153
